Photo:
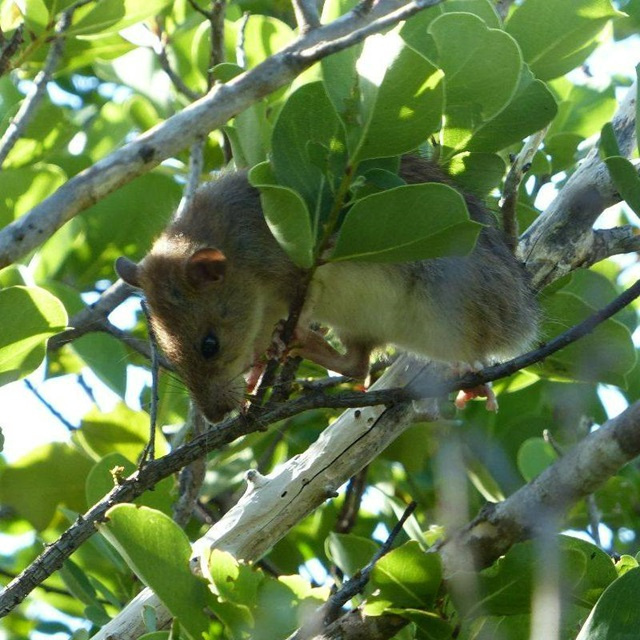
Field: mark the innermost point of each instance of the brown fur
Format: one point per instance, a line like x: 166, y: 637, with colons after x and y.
x: 466, y: 309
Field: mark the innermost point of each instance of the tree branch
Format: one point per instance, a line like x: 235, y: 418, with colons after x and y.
x: 580, y: 472
x: 181, y: 130
x: 306, y: 12
x: 561, y: 239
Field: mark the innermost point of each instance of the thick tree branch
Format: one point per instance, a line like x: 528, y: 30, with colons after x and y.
x: 562, y: 238
x: 576, y: 475
x: 197, y: 120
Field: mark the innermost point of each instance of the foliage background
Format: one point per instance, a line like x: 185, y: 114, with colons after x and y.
x: 110, y: 86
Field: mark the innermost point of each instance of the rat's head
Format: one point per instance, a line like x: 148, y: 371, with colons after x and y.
x: 205, y: 318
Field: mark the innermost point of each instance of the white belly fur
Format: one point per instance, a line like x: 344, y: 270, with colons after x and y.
x: 370, y: 303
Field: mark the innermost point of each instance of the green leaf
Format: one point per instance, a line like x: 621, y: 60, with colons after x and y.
x: 115, y: 15
x: 46, y: 477
x: 534, y: 456
x: 78, y: 584
x: 429, y: 626
x: 107, y: 358
x: 22, y: 189
x: 557, y: 36
x: 608, y: 142
x: 158, y: 551
x: 30, y: 316
x: 113, y: 467
x: 232, y: 580
x: 36, y: 16
x: 122, y: 430
x: 474, y: 92
x: 531, y: 108
x: 477, y: 173
x: 625, y: 178
x: 412, y: 222
x: 264, y: 36
x: 401, y: 97
x: 406, y: 577
x: 307, y: 127
x: 349, y: 552
x: 616, y: 615
x: 286, y: 215
x: 563, y: 150
x: 605, y: 355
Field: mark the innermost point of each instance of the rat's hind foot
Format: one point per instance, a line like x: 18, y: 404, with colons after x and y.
x: 481, y: 391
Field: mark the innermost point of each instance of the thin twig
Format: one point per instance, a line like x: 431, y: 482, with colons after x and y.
x: 503, y: 6
x: 351, y: 505
x: 163, y: 58
x: 216, y: 21
x: 10, y: 48
x: 306, y: 12
x: 328, y: 612
x: 149, y: 451
x: 49, y: 406
x: 241, y: 55
x: 37, y: 88
x: 196, y: 163
x: 192, y: 476
x: 512, y: 183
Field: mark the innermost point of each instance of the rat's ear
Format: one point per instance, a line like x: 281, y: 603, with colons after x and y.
x: 206, y: 266
x: 128, y: 271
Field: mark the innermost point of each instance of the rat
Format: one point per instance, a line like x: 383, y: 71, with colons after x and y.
x: 217, y: 283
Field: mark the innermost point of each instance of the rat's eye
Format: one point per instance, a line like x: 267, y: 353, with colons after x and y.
x: 209, y: 346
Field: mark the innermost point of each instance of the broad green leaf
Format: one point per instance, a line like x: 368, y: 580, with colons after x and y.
x: 534, y: 456
x: 412, y: 222
x: 30, y: 316
x: 286, y: 214
x: 474, y: 92
x: 232, y: 580
x: 429, y: 626
x: 349, y: 552
x: 562, y: 149
x: 115, y: 15
x: 79, y: 585
x: 36, y: 16
x: 599, y: 573
x: 605, y: 355
x: 22, y: 189
x: 114, y: 467
x: 120, y: 224
x: 406, y: 577
x: 401, y: 96
x: 122, y: 430
x: 308, y: 147
x: 608, y: 142
x: 616, y: 615
x: 250, y: 132
x: 531, y: 109
x: 264, y: 36
x: 48, y: 476
x: 107, y: 358
x: 158, y: 551
x: 582, y: 109
x: 557, y: 36
x: 477, y: 173
x: 625, y: 178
